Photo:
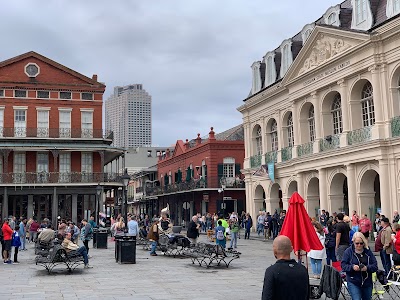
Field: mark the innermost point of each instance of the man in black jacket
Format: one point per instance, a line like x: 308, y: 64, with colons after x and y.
x: 193, y: 230
x: 286, y: 279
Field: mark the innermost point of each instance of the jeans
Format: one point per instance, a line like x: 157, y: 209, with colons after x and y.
x: 153, y: 247
x: 15, y: 254
x: 234, y: 236
x: 260, y: 228
x: 359, y: 293
x: 86, y: 243
x: 83, y: 252
x: 386, y: 262
x: 32, y: 236
x: 316, y: 266
x: 330, y: 256
x: 22, y: 239
x: 247, y: 234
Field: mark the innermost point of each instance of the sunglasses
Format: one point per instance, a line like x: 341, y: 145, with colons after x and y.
x: 359, y: 243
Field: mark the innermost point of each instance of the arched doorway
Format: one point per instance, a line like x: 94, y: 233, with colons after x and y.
x: 275, y: 199
x: 291, y: 189
x: 259, y: 200
x: 338, y: 194
x: 370, y: 195
x: 312, y: 202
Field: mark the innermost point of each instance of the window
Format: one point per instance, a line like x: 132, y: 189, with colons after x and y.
x: 42, y: 168
x: 311, y: 123
x: 306, y: 35
x: 229, y: 167
x: 86, y: 166
x: 43, y: 94
x: 20, y: 123
x: 270, y: 70
x: 87, y: 124
x: 274, y: 136
x: 332, y: 19
x: 32, y: 70
x: 20, y: 93
x: 287, y: 57
x: 367, y: 105
x: 65, y: 95
x: 65, y: 167
x: 259, y: 142
x: 1, y: 122
x: 42, y: 123
x: 87, y: 96
x: 65, y: 123
x: 1, y: 93
x: 337, y: 114
x: 361, y: 10
x: 290, y: 130
x: 19, y: 167
x: 256, y: 87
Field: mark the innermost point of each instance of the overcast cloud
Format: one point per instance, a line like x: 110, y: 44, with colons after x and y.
x: 192, y: 56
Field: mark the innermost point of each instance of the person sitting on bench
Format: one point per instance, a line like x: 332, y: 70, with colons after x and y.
x: 71, y: 247
x: 47, y: 235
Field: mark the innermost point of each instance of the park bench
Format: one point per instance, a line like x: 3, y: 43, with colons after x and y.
x: 59, y: 256
x: 207, y: 254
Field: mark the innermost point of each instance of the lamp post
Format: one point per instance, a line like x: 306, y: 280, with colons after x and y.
x: 125, y: 180
x: 222, y: 190
x: 98, y: 192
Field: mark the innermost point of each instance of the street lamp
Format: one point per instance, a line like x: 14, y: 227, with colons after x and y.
x: 98, y: 192
x: 222, y: 190
x: 125, y: 180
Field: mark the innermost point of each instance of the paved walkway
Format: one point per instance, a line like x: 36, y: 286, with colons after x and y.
x: 157, y: 277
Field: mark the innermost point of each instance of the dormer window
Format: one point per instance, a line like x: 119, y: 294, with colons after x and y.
x: 362, y: 15
x: 331, y: 16
x: 392, y: 8
x: 256, y: 86
x: 306, y: 32
x: 287, y: 57
x: 270, y: 69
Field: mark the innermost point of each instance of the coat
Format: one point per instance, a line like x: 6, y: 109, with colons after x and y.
x: 319, y: 254
x: 386, y: 239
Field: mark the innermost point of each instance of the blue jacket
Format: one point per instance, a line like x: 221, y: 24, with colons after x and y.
x: 15, y: 242
x: 360, y: 279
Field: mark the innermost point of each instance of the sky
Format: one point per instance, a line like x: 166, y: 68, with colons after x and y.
x: 192, y: 56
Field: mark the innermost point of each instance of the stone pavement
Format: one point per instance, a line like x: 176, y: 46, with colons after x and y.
x: 158, y: 277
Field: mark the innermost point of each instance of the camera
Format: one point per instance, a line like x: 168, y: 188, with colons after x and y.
x: 361, y: 266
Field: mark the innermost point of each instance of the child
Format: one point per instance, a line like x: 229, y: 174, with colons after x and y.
x: 16, y: 243
x: 220, y: 238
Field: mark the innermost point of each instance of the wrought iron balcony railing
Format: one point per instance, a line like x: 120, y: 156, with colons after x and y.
x: 286, y: 153
x: 193, y: 184
x: 58, y: 177
x: 359, y: 136
x: 329, y: 143
x: 255, y: 161
x: 395, y: 126
x: 271, y: 157
x: 55, y: 133
x: 305, y: 149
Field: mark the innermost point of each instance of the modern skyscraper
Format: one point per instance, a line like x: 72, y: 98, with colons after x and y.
x: 128, y: 114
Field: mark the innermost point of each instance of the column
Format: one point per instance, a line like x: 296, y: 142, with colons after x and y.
x: 296, y: 133
x: 352, y: 189
x: 264, y: 139
x: 300, y: 185
x: 280, y: 135
x: 317, y: 119
x: 54, y: 206
x: 345, y: 111
x: 74, y: 208
x: 5, y: 203
x: 30, y: 207
x: 323, y: 189
x: 247, y: 143
x: 384, y: 187
x: 272, y: 204
x: 377, y: 129
x: 285, y: 202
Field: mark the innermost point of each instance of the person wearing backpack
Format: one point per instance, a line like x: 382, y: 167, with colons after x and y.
x: 220, y: 238
x: 330, y: 244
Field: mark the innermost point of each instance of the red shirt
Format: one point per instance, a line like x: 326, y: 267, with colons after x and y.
x: 397, y: 243
x: 365, y: 225
x: 7, y: 231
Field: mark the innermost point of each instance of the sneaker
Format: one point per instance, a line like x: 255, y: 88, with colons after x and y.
x: 87, y: 266
x: 89, y: 256
x: 5, y: 262
x: 153, y: 254
x: 9, y: 262
x: 16, y: 262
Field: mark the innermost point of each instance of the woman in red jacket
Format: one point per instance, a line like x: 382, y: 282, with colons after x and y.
x: 365, y: 226
x: 396, y: 245
x: 7, y: 237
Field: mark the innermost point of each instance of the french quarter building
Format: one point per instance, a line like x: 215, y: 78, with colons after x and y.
x: 323, y: 114
x: 52, y: 145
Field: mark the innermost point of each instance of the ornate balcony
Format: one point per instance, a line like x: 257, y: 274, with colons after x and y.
x: 329, y: 143
x: 58, y: 177
x: 255, y: 161
x: 395, y: 125
x: 271, y: 157
x: 359, y: 136
x: 286, y: 153
x: 55, y: 133
x: 305, y: 149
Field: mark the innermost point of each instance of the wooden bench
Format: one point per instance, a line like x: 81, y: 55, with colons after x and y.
x: 59, y: 256
x: 207, y: 254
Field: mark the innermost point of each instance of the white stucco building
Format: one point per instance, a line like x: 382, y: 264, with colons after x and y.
x: 324, y: 107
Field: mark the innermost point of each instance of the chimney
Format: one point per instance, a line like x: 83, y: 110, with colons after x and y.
x: 94, y: 77
x: 211, y: 134
x: 198, y: 139
x: 187, y: 145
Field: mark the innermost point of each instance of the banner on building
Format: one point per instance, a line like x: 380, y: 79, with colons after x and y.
x: 271, y: 171
x: 267, y: 171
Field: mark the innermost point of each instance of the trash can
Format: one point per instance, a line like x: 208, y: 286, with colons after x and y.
x: 101, y: 238
x: 125, y: 249
x: 95, y: 231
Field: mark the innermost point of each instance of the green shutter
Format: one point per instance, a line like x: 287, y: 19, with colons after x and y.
x: 220, y: 173
x: 237, y: 169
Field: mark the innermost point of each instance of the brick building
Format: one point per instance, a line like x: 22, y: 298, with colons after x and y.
x: 52, y: 145
x: 202, y: 175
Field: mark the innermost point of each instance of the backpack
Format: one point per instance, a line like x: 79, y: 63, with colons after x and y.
x: 220, y: 235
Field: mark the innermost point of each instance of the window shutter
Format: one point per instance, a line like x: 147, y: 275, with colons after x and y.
x: 237, y: 169
x: 176, y: 177
x: 220, y: 172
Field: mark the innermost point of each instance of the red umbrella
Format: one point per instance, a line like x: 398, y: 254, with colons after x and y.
x: 298, y: 228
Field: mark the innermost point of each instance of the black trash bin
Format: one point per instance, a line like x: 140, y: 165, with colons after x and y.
x: 125, y: 249
x: 95, y: 231
x: 101, y: 238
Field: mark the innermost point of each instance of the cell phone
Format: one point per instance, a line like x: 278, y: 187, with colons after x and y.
x: 361, y: 266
